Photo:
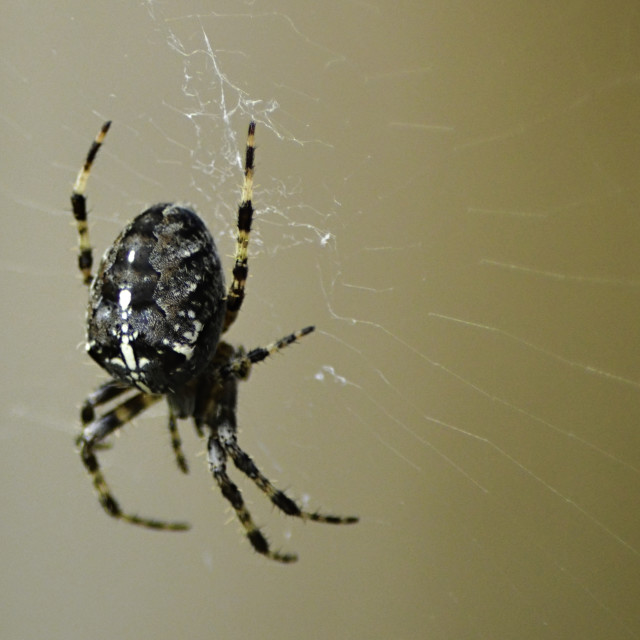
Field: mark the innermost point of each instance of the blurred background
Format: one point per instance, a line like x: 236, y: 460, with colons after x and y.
x: 450, y: 192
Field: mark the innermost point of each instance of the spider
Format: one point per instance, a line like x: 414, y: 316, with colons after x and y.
x: 157, y: 310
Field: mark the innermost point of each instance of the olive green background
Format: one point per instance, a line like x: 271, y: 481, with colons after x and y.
x: 450, y: 192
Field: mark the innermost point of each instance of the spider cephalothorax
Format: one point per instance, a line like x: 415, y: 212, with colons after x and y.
x: 157, y: 308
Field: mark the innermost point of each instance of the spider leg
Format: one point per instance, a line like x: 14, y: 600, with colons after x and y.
x: 227, y: 436
x: 217, y: 463
x: 176, y: 443
x: 103, y: 394
x: 235, y: 295
x: 239, y: 366
x: 93, y: 434
x: 79, y: 207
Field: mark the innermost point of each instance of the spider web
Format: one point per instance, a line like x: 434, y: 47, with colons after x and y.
x: 460, y: 224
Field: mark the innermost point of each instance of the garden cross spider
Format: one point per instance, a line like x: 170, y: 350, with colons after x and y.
x: 157, y: 309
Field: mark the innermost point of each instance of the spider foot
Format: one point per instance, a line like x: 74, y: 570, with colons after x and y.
x: 329, y: 519
x: 112, y: 508
x: 158, y: 525
x: 260, y: 544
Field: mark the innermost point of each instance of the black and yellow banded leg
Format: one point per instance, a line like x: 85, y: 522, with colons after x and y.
x: 235, y: 295
x: 103, y: 394
x: 226, y: 429
x: 239, y: 366
x: 79, y: 207
x: 217, y: 464
x: 93, y: 434
x: 280, y: 499
x: 176, y: 443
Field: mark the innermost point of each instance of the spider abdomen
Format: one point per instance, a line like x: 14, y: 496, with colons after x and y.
x: 157, y: 303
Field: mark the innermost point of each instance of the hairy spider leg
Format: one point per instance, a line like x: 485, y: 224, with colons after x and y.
x: 217, y: 458
x: 111, y: 390
x: 223, y: 442
x: 235, y: 295
x: 79, y: 207
x: 235, y: 363
x: 239, y: 366
x: 93, y: 434
x: 227, y: 436
x: 176, y: 443
x: 103, y: 394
